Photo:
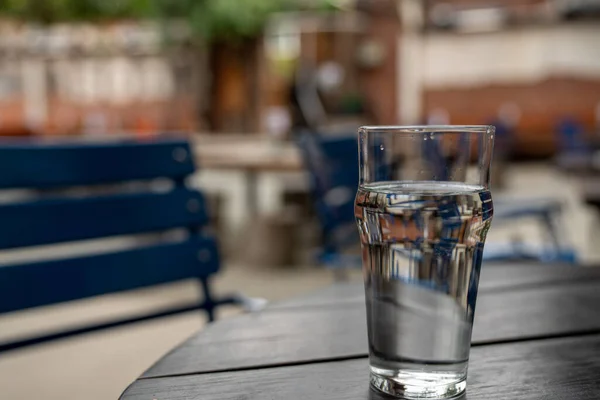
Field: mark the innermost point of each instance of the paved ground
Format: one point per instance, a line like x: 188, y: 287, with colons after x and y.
x: 99, y: 366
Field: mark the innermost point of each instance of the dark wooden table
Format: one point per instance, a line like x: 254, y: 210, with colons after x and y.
x: 536, y: 336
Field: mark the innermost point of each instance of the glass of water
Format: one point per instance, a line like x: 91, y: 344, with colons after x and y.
x: 423, y: 209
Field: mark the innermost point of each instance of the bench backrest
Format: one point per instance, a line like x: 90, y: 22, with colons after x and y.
x: 58, y: 213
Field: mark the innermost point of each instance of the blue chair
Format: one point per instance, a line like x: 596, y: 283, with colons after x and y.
x: 571, y: 137
x: 332, y: 163
x: 575, y: 154
x: 53, y: 216
x: 545, y: 211
x: 504, y: 138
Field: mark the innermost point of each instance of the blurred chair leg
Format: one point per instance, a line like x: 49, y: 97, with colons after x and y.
x: 209, y: 303
x: 550, y: 224
x: 561, y: 252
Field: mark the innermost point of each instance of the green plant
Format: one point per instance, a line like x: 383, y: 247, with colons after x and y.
x: 211, y: 20
x: 50, y: 11
x: 232, y: 19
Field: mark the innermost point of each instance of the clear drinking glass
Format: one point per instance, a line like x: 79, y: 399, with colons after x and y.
x: 423, y: 209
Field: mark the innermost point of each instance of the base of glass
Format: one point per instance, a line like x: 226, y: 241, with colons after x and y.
x: 418, y: 384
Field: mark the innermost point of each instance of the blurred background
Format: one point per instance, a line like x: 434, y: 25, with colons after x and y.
x: 245, y: 82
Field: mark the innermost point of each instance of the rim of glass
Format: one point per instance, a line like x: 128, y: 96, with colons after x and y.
x: 428, y: 128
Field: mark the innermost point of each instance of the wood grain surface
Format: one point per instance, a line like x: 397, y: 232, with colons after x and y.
x: 338, y: 331
x: 565, y: 368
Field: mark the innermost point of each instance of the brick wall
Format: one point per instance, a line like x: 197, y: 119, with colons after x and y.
x: 379, y: 85
x: 541, y: 104
x: 68, y: 118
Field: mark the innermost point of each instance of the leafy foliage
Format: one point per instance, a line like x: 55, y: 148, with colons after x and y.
x: 49, y: 11
x: 231, y: 19
x: 209, y: 19
x: 226, y: 19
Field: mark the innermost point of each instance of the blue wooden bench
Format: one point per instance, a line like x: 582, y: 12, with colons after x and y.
x: 53, y: 216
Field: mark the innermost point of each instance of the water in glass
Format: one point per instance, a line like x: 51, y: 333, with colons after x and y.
x: 422, y: 245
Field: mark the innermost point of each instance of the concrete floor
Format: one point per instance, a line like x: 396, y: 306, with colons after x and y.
x: 100, y: 365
